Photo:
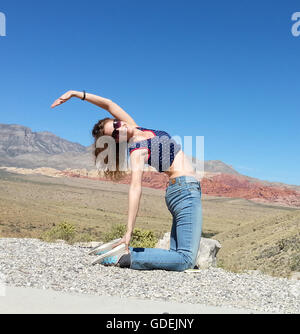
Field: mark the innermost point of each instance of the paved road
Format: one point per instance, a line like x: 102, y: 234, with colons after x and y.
x: 30, y: 300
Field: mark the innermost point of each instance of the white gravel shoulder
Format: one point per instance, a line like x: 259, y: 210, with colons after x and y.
x: 34, y: 264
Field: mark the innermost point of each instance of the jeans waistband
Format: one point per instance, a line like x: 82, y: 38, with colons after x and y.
x: 181, y: 180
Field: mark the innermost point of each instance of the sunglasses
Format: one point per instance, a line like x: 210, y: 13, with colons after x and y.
x: 116, y: 124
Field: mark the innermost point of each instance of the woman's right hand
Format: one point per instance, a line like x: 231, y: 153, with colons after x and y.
x: 125, y: 240
x: 64, y: 98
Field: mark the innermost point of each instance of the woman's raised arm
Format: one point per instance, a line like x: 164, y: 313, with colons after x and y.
x: 106, y: 104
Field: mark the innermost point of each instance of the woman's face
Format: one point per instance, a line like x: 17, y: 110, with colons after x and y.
x: 125, y: 130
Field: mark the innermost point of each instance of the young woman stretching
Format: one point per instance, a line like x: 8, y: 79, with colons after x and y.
x: 183, y: 194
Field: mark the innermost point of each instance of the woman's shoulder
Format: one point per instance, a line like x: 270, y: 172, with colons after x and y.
x: 157, y: 133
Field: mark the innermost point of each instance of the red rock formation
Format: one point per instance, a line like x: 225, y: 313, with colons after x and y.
x: 223, y: 185
x: 226, y: 185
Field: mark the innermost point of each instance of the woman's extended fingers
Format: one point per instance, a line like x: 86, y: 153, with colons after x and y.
x: 123, y: 241
x: 57, y: 102
x: 64, y: 98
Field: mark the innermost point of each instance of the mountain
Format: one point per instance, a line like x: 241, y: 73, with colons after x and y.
x: 18, y: 140
x: 37, y: 151
x: 20, y: 147
x: 217, y: 166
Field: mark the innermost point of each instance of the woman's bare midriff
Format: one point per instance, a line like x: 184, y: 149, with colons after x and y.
x: 181, y: 166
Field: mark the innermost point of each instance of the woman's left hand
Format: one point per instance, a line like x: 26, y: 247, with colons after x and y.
x: 125, y: 240
x: 64, y: 98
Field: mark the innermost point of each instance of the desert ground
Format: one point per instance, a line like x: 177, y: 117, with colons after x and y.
x: 254, y: 236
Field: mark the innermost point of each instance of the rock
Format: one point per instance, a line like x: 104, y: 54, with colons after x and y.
x: 164, y: 243
x: 241, y: 186
x: 207, y: 253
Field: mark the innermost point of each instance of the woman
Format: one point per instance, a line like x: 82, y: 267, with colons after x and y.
x: 183, y: 194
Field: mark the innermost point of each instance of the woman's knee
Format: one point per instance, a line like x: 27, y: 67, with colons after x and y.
x: 188, y: 262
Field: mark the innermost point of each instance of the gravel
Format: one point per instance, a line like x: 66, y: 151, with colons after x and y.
x: 67, y: 268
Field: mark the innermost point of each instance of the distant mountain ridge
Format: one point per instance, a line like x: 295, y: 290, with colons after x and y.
x: 17, y: 140
x: 22, y: 148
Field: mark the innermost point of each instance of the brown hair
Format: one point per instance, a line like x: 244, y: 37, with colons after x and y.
x: 97, y: 132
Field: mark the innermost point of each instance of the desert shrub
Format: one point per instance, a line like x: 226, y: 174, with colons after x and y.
x: 295, y: 262
x: 83, y: 237
x: 143, y: 238
x: 63, y: 231
x: 140, y: 238
x: 116, y: 231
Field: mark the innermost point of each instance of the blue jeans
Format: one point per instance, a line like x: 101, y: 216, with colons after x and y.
x: 183, y: 199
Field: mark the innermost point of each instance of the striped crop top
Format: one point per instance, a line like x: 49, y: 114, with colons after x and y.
x: 162, y: 149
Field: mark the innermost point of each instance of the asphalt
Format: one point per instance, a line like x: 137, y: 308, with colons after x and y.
x: 18, y: 300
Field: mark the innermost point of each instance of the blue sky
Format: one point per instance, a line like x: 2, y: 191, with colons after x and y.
x: 225, y: 70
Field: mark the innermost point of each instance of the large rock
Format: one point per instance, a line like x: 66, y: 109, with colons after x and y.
x: 207, y: 253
